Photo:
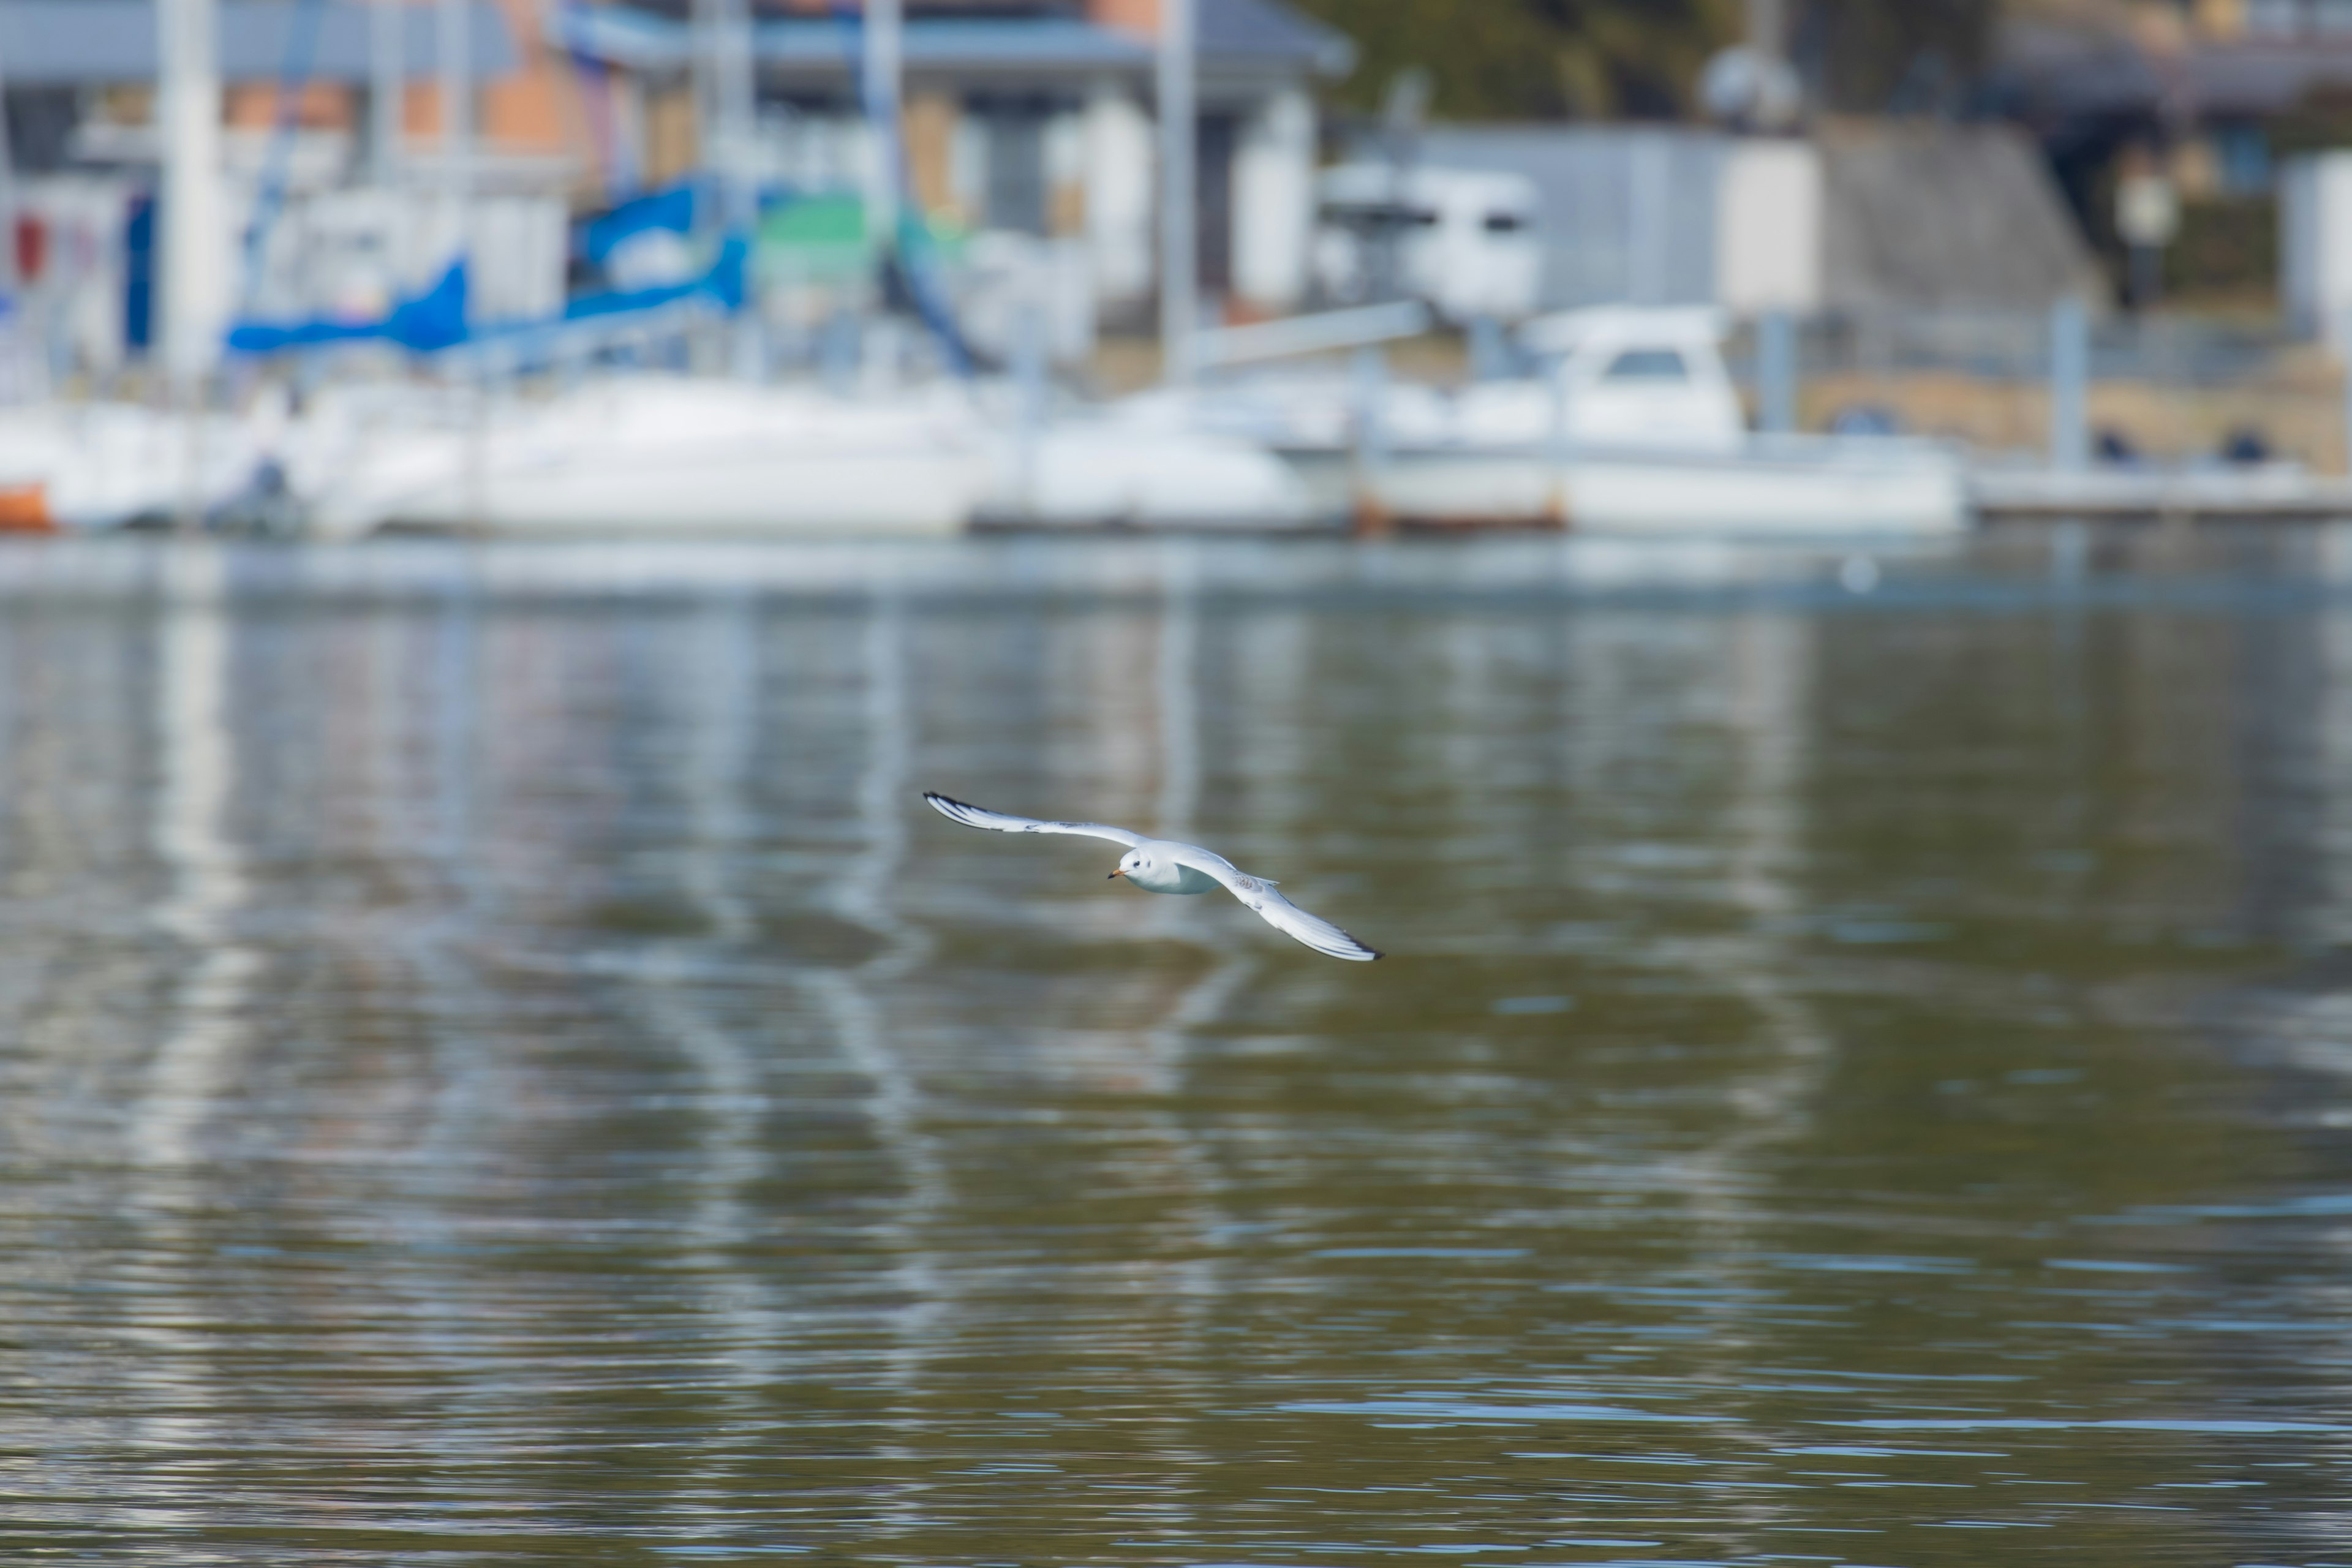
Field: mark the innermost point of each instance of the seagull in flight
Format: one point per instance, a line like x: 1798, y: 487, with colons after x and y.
x: 1164, y: 866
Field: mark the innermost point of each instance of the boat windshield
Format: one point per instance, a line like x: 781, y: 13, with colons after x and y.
x: 1648, y: 364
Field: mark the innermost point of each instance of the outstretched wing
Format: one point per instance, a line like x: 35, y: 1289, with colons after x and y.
x: 1277, y: 910
x: 997, y: 822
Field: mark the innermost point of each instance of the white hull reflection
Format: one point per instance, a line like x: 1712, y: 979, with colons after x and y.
x: 102, y: 568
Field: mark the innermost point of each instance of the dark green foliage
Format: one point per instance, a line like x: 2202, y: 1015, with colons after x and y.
x: 1534, y: 60
x: 2320, y: 123
x: 2228, y: 248
x: 1876, y: 56
x: 1540, y: 59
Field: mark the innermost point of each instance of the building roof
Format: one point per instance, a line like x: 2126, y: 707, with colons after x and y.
x: 95, y: 42
x: 1256, y: 37
x: 959, y: 44
x: 1262, y: 33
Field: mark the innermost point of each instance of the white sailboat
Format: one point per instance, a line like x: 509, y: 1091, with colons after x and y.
x: 80, y: 467
x: 644, y: 455
x: 89, y: 467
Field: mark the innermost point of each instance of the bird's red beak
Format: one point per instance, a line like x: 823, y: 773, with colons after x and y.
x: 1115, y: 874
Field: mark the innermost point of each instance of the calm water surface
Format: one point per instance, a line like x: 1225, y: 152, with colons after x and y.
x: 496, y: 1064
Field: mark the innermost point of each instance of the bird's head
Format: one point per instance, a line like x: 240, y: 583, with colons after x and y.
x: 1134, y: 860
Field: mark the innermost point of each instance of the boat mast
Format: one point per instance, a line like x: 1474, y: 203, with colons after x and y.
x: 725, y: 87
x: 456, y: 44
x: 736, y: 95
x: 387, y: 76
x: 1180, y: 282
x: 8, y: 279
x: 884, y: 66
x: 194, y: 228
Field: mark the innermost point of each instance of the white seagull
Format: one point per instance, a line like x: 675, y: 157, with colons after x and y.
x: 1163, y: 866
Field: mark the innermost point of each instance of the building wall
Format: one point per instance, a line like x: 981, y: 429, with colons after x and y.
x: 1953, y: 215
x: 2315, y: 245
x: 1065, y: 172
x: 2221, y: 18
x: 931, y: 122
x: 1628, y: 213
x: 1274, y: 203
x: 319, y: 106
x: 1769, y: 228
x: 1868, y: 217
x: 1133, y: 16
x: 673, y: 141
x: 1120, y: 176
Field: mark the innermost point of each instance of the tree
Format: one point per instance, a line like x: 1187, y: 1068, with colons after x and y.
x: 1534, y: 60
x: 1546, y: 59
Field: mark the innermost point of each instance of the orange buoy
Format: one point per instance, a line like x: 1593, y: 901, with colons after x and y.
x: 24, y: 508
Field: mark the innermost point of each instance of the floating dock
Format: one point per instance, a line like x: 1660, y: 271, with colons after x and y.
x: 2254, y: 493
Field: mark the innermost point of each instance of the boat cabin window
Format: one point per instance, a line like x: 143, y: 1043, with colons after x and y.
x: 1647, y: 364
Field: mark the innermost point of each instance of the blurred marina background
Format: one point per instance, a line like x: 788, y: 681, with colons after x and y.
x: 322, y: 268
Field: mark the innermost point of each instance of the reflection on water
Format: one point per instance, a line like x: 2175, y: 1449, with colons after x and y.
x: 496, y: 1064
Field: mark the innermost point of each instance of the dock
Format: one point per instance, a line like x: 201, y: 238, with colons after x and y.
x: 2279, y: 492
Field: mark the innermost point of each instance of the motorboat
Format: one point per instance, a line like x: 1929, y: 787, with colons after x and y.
x: 1631, y: 422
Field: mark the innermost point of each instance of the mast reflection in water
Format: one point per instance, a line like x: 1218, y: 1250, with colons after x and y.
x: 496, y: 1063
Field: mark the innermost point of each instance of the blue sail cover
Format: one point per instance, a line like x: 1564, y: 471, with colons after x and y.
x: 433, y: 319
x: 724, y: 283
x: 671, y: 211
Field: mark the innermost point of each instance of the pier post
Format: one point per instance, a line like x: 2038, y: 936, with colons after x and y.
x: 2344, y: 360
x: 1180, y: 282
x: 1029, y: 377
x: 1776, y: 372
x: 1556, y: 499
x: 2070, y: 386
x: 387, y: 78
x: 1368, y: 438
x: 1490, y: 354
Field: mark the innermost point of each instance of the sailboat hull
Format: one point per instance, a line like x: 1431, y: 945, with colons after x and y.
x: 661, y: 456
